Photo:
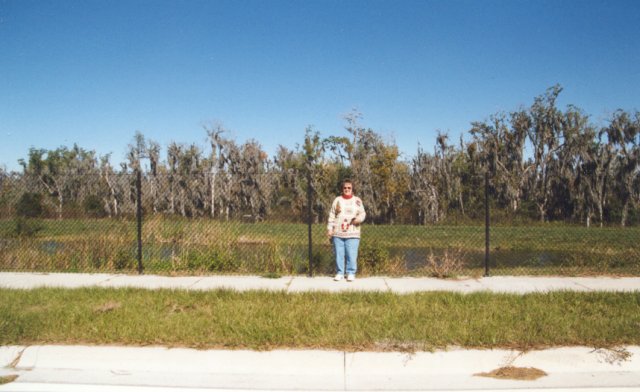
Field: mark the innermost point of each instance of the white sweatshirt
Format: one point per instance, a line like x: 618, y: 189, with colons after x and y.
x: 342, y: 212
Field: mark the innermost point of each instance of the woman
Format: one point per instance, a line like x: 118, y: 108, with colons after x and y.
x: 343, y: 229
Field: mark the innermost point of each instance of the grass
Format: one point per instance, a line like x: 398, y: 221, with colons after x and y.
x: 197, y: 246
x: 350, y: 321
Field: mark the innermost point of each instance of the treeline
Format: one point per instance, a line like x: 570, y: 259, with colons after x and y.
x: 544, y: 164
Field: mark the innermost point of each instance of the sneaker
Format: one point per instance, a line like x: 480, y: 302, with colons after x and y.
x: 351, y: 278
x: 337, y: 278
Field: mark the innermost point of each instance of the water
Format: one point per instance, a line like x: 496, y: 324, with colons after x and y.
x: 51, y: 247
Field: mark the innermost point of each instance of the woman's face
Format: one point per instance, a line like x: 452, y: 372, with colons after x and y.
x: 347, y: 189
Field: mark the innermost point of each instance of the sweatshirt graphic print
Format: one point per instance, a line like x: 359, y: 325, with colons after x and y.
x: 341, y: 214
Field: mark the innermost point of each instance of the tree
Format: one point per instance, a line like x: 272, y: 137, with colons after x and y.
x: 380, y: 179
x: 137, y: 151
x: 153, y: 153
x: 112, y: 201
x: 515, y: 168
x: 582, y: 167
x: 255, y: 184
x: 63, y: 173
x: 186, y: 179
x: 545, y: 136
x: 623, y: 133
x: 173, y: 153
x: 446, y: 163
x: 423, y: 187
x: 312, y: 153
x: 289, y: 195
x: 214, y: 135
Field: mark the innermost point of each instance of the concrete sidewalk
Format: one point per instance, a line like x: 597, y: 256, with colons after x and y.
x: 292, y: 284
x: 85, y: 367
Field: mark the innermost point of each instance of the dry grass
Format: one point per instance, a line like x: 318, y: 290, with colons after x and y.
x: 8, y: 379
x: 109, y: 306
x: 613, y: 355
x: 514, y: 373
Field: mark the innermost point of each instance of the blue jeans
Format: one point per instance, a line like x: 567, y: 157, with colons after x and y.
x: 348, y: 246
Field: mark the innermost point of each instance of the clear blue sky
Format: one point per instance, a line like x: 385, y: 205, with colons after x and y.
x: 94, y: 72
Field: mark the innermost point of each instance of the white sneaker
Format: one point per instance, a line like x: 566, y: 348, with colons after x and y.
x: 351, y: 278
x: 337, y: 278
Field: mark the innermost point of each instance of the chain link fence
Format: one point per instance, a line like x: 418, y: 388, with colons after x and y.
x: 186, y: 226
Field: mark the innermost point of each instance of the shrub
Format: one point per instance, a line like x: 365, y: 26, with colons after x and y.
x: 213, y: 260
x: 373, y: 258
x: 29, y: 205
x: 93, y: 206
x: 323, y: 262
x: 26, y: 228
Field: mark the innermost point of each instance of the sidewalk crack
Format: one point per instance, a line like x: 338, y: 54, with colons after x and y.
x: 195, y: 283
x: 15, y: 362
x: 107, y: 280
x: 387, y: 285
x: 289, y: 284
x: 344, y: 368
x: 582, y: 285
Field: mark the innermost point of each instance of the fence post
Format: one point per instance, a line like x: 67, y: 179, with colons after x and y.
x: 486, y: 223
x: 309, y: 197
x: 139, y: 216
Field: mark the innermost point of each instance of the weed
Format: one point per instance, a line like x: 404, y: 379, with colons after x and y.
x: 273, y: 259
x: 123, y: 260
x: 449, y: 264
x: 372, y: 258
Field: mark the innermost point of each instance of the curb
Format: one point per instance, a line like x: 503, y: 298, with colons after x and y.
x: 161, y: 367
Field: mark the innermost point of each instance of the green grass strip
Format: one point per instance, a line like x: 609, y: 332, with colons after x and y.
x: 350, y: 321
